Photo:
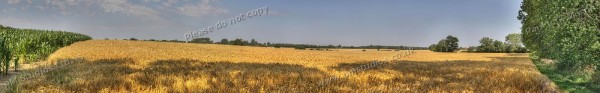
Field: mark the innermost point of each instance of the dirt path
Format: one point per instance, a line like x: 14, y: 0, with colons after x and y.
x: 11, y: 73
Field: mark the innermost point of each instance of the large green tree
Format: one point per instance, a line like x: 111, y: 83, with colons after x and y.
x: 514, y: 39
x: 514, y: 43
x: 566, y: 31
x: 452, y: 43
x: 449, y: 44
x: 487, y: 45
x: 499, y: 46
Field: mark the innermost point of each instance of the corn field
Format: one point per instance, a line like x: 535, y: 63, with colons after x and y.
x: 27, y: 45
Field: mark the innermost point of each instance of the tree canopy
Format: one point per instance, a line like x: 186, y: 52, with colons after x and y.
x: 450, y: 44
x: 567, y: 31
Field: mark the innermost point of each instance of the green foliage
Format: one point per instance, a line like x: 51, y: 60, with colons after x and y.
x: 514, y: 43
x: 300, y: 47
x: 5, y: 55
x: 224, y: 41
x: 28, y: 45
x: 237, y: 42
x: 472, y: 49
x: 432, y: 47
x: 500, y: 47
x: 201, y: 40
x: 450, y: 44
x: 254, y: 42
x: 489, y: 45
x: 566, y: 31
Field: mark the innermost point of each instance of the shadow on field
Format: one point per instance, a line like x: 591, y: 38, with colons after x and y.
x: 505, y: 74
x: 114, y: 75
x: 235, y: 77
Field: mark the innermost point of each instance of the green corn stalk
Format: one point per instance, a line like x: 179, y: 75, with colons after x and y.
x: 21, y: 52
x: 27, y: 45
x: 4, y: 56
x: 16, y: 63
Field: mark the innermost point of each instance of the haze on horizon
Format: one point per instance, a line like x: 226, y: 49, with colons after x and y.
x: 349, y: 22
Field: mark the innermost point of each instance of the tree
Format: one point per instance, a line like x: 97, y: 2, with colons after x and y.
x: 133, y: 39
x: 254, y: 42
x: 499, y: 46
x: 513, y: 42
x: 433, y: 47
x: 450, y: 44
x: 245, y: 43
x: 487, y: 45
x: 238, y: 41
x: 224, y: 41
x: 442, y: 46
x: 566, y: 31
x: 201, y: 40
x: 514, y: 39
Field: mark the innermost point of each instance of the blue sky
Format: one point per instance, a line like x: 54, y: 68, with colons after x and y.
x: 346, y: 22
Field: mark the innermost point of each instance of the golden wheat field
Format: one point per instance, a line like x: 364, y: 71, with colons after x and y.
x: 116, y: 66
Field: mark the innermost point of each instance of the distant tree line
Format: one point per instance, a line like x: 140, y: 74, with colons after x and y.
x: 253, y: 42
x: 135, y: 39
x: 512, y: 44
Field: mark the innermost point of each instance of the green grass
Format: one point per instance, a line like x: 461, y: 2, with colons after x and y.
x: 568, y: 82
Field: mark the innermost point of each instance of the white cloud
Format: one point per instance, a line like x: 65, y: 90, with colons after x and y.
x: 107, y: 6
x: 13, y: 1
x: 122, y: 6
x: 63, y: 4
x: 168, y: 3
x: 201, y: 9
x: 146, y: 9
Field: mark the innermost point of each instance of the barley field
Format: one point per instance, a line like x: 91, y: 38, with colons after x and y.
x: 117, y: 66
